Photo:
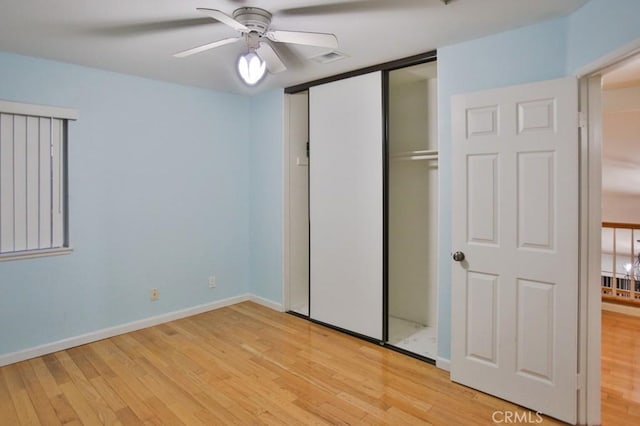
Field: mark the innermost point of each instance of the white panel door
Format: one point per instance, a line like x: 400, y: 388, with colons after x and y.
x: 515, y: 218
x: 345, y: 199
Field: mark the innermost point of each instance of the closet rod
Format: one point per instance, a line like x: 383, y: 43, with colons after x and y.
x: 415, y: 157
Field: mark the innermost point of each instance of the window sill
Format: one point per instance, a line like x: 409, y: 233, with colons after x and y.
x: 31, y: 254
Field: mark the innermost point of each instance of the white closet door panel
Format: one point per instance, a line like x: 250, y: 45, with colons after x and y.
x: 346, y: 211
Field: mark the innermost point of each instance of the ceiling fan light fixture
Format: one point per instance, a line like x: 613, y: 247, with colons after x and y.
x: 251, y: 68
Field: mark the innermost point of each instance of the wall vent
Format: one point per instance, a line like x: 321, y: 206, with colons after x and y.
x: 328, y: 57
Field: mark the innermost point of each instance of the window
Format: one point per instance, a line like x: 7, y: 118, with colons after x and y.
x: 33, y: 180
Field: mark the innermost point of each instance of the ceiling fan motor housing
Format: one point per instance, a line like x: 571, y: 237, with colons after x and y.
x: 254, y: 18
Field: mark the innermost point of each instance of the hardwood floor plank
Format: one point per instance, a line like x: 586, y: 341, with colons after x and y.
x: 110, y: 397
x: 38, y: 396
x: 7, y: 410
x: 124, y: 382
x: 184, y: 374
x: 65, y: 412
x: 127, y: 417
x: 182, y: 408
x: 247, y: 364
x: 57, y: 371
x: 19, y: 394
x: 81, y: 393
x: 78, y: 356
x: 620, y: 369
x: 96, y: 361
x: 80, y: 405
x: 378, y: 412
x: 163, y: 414
x: 47, y: 381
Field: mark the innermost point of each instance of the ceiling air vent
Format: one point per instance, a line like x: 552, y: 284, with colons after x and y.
x: 328, y: 57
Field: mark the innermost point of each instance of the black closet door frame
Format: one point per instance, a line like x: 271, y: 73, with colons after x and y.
x: 386, y: 67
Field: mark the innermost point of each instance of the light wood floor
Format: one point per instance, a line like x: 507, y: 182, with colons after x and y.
x: 246, y: 364
x: 620, y: 369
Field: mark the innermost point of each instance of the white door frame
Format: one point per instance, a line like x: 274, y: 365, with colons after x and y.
x: 589, y: 403
x: 589, y: 337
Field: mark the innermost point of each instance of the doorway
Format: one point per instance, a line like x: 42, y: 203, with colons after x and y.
x: 591, y: 369
x: 620, y: 261
x: 620, y: 190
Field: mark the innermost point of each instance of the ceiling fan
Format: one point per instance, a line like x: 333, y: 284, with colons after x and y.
x: 253, y: 24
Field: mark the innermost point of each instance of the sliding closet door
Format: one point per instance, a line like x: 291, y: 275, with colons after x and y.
x: 345, y: 202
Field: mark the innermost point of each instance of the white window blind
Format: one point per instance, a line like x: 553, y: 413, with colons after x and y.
x: 32, y: 179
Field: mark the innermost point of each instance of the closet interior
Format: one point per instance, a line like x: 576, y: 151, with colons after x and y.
x: 412, y: 173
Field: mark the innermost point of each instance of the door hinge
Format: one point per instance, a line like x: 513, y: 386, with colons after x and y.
x: 582, y: 119
x: 579, y: 384
x: 307, y: 149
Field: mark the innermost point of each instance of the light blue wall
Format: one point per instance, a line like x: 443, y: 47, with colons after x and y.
x: 266, y: 195
x: 600, y: 27
x: 171, y: 184
x: 159, y: 197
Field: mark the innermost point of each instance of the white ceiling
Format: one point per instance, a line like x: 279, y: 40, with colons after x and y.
x: 623, y: 76
x: 621, y: 129
x: 139, y: 36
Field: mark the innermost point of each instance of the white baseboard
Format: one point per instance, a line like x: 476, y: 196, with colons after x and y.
x: 443, y: 363
x: 266, y: 302
x: 105, y: 333
x: 621, y: 309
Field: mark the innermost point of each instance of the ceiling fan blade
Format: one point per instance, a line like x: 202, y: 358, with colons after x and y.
x: 139, y: 28
x: 271, y: 58
x: 207, y: 46
x: 224, y: 18
x: 298, y: 37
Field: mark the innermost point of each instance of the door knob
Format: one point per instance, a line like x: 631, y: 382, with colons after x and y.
x: 458, y: 256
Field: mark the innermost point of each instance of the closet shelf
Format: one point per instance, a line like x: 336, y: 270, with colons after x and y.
x: 414, y: 155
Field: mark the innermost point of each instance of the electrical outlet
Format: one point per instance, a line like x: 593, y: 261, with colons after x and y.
x: 212, y: 281
x: 154, y: 294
